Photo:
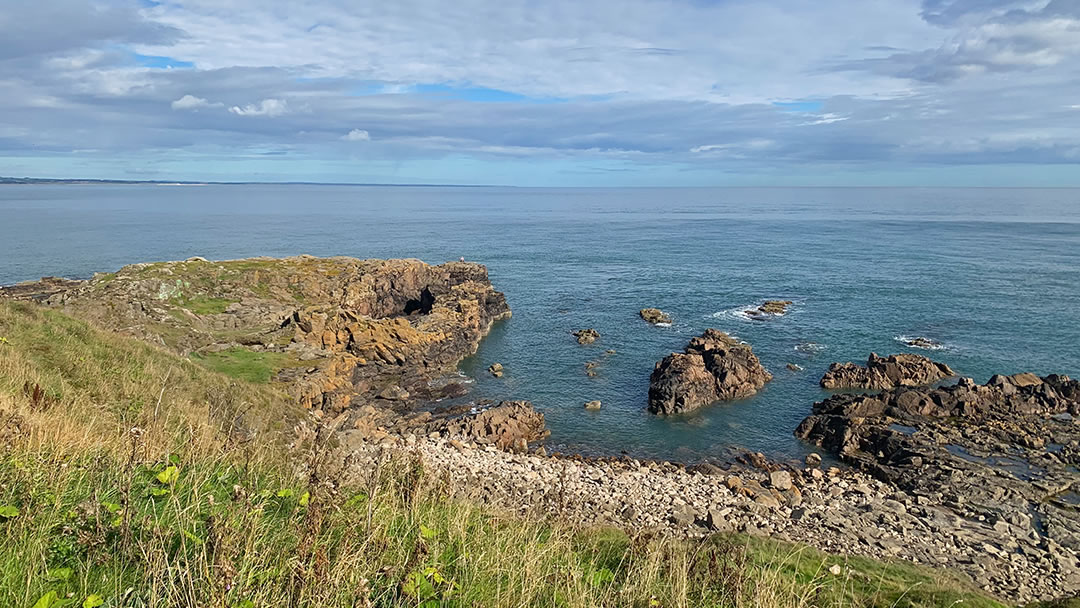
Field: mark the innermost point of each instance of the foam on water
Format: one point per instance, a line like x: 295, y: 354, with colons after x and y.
x: 925, y: 343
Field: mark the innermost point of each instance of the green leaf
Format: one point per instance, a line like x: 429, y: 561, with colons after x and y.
x: 427, y: 533
x: 46, y: 601
x: 8, y: 512
x: 193, y: 538
x: 304, y: 498
x: 244, y: 604
x: 417, y: 585
x: 59, y: 574
x: 111, y: 507
x: 93, y: 601
x: 174, y: 459
x: 159, y: 491
x: 169, y: 475
x: 286, y: 493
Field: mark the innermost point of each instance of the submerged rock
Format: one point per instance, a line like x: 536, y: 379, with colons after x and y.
x: 496, y: 369
x: 923, y: 343
x: 714, y: 367
x: 881, y: 373
x: 654, y: 316
x: 586, y: 336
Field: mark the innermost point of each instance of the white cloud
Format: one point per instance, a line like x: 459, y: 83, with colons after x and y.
x: 825, y: 119
x: 267, y: 107
x: 190, y: 102
x: 357, y: 135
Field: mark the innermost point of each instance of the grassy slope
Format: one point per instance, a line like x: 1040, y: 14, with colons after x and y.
x: 188, y: 510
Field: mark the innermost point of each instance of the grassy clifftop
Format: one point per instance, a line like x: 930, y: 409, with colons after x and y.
x: 130, y: 476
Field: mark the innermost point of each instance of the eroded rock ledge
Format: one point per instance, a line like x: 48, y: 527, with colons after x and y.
x: 715, y: 367
x: 882, y: 373
x: 1005, y: 453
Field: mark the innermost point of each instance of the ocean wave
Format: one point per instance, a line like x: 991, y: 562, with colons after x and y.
x: 749, y: 312
x: 662, y: 324
x: 810, y: 348
x: 921, y: 342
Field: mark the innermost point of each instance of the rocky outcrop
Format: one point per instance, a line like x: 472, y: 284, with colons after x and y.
x: 654, y: 316
x: 38, y: 291
x: 345, y: 329
x: 882, y: 373
x: 714, y: 367
x: 511, y: 425
x: 770, y: 307
x: 1005, y: 453
x: 586, y: 336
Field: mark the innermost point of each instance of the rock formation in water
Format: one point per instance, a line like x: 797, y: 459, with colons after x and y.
x: 714, y: 367
x: 586, y: 336
x: 1005, y: 453
x: 654, y: 316
x: 882, y: 373
x: 770, y: 307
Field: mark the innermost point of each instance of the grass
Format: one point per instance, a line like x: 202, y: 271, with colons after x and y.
x: 243, y: 364
x: 204, y: 305
x: 132, y: 477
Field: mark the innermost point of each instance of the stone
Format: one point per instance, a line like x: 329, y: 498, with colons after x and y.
x: 714, y: 367
x: 835, y: 570
x: 586, y: 336
x: 889, y: 372
x: 813, y: 460
x: 496, y: 369
x: 592, y: 405
x: 654, y: 316
x: 393, y: 393
x: 781, y: 480
x: 794, y: 367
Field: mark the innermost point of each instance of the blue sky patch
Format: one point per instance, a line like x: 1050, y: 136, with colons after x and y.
x: 161, y: 63
x: 799, y: 106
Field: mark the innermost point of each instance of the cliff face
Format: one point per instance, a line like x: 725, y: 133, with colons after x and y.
x: 337, y: 328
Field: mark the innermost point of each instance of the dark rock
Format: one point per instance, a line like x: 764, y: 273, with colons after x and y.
x: 886, y: 372
x: 770, y: 307
x: 714, y: 367
x: 586, y: 336
x: 654, y: 316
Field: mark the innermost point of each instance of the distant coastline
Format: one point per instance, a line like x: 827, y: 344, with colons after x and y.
x: 43, y: 181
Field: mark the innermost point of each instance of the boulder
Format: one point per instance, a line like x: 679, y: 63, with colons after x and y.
x: 882, y: 373
x: 511, y: 425
x: 586, y: 336
x: 592, y: 405
x: 654, y: 316
x: 496, y: 369
x: 714, y: 367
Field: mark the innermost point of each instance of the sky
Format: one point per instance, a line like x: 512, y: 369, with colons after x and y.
x: 544, y: 92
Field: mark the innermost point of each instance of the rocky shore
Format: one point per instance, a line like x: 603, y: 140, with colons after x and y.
x: 841, y: 511
x: 980, y: 479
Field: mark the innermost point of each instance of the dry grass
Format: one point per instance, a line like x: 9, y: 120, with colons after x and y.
x: 144, y: 480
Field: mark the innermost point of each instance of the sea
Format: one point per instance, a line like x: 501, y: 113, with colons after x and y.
x: 990, y: 276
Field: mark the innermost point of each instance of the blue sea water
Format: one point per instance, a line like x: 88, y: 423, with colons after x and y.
x: 993, y: 274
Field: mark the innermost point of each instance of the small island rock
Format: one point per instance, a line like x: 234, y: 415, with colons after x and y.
x: 592, y: 405
x: 714, y: 367
x: 770, y: 307
x: 655, y: 316
x: 586, y: 336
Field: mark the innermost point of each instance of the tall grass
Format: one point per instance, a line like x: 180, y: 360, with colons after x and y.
x: 131, y: 477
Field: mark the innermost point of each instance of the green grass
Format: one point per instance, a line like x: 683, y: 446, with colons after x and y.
x: 243, y: 364
x: 141, y: 479
x: 204, y: 305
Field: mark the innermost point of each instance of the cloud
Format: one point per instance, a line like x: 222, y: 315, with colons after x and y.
x: 601, y: 88
x: 267, y: 107
x: 190, y: 102
x: 357, y: 135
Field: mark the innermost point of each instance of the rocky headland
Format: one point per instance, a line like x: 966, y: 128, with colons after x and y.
x: 882, y: 373
x: 714, y: 367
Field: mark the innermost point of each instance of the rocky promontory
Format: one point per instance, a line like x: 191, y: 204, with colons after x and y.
x: 882, y: 373
x: 337, y: 331
x: 714, y: 367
